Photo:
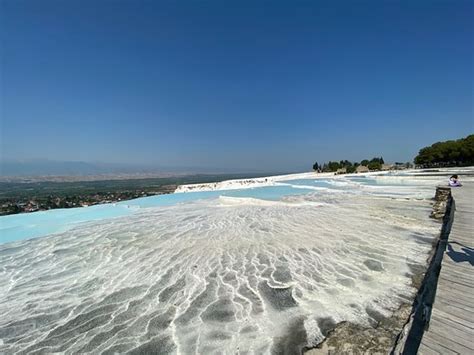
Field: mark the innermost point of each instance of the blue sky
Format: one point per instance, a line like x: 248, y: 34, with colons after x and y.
x: 267, y: 85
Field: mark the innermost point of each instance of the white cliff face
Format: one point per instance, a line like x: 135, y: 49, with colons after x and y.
x: 223, y: 274
x: 248, y: 183
x: 278, y: 179
x: 225, y: 185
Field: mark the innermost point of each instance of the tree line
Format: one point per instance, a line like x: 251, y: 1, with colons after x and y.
x: 449, y: 153
x: 332, y: 166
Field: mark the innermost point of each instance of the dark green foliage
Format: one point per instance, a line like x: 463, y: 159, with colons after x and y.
x: 315, y: 166
x: 449, y: 153
x: 351, y: 169
x: 374, y: 165
x: 377, y: 160
x: 333, y: 166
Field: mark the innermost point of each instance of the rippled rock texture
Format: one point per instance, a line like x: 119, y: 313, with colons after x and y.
x: 214, y: 276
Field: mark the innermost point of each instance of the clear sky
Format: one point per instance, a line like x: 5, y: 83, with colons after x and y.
x: 268, y: 85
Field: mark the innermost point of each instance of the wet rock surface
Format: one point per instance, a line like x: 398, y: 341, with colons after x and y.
x: 215, y: 276
x: 350, y: 338
x: 385, y: 333
x: 443, y: 194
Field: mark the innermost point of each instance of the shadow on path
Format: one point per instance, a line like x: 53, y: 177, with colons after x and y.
x: 466, y: 253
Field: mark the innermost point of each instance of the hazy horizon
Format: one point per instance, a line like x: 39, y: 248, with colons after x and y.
x: 39, y: 167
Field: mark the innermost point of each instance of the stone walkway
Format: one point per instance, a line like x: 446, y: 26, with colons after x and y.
x: 451, y: 329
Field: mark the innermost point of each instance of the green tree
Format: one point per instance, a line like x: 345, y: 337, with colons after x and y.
x: 351, y: 169
x: 374, y: 165
x: 333, y: 166
x: 449, y: 153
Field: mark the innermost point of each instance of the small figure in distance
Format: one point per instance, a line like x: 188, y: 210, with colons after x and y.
x: 454, y: 181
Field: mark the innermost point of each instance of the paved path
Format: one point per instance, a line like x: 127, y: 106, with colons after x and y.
x: 451, y: 329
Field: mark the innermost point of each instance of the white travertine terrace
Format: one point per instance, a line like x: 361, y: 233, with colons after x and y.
x: 217, y: 275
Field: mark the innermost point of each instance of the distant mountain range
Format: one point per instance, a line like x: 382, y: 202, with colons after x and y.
x: 44, y: 167
x: 47, y: 167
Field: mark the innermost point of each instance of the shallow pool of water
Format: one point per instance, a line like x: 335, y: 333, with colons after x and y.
x: 37, y: 224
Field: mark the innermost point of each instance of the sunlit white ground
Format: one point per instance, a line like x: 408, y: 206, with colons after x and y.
x: 223, y: 274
